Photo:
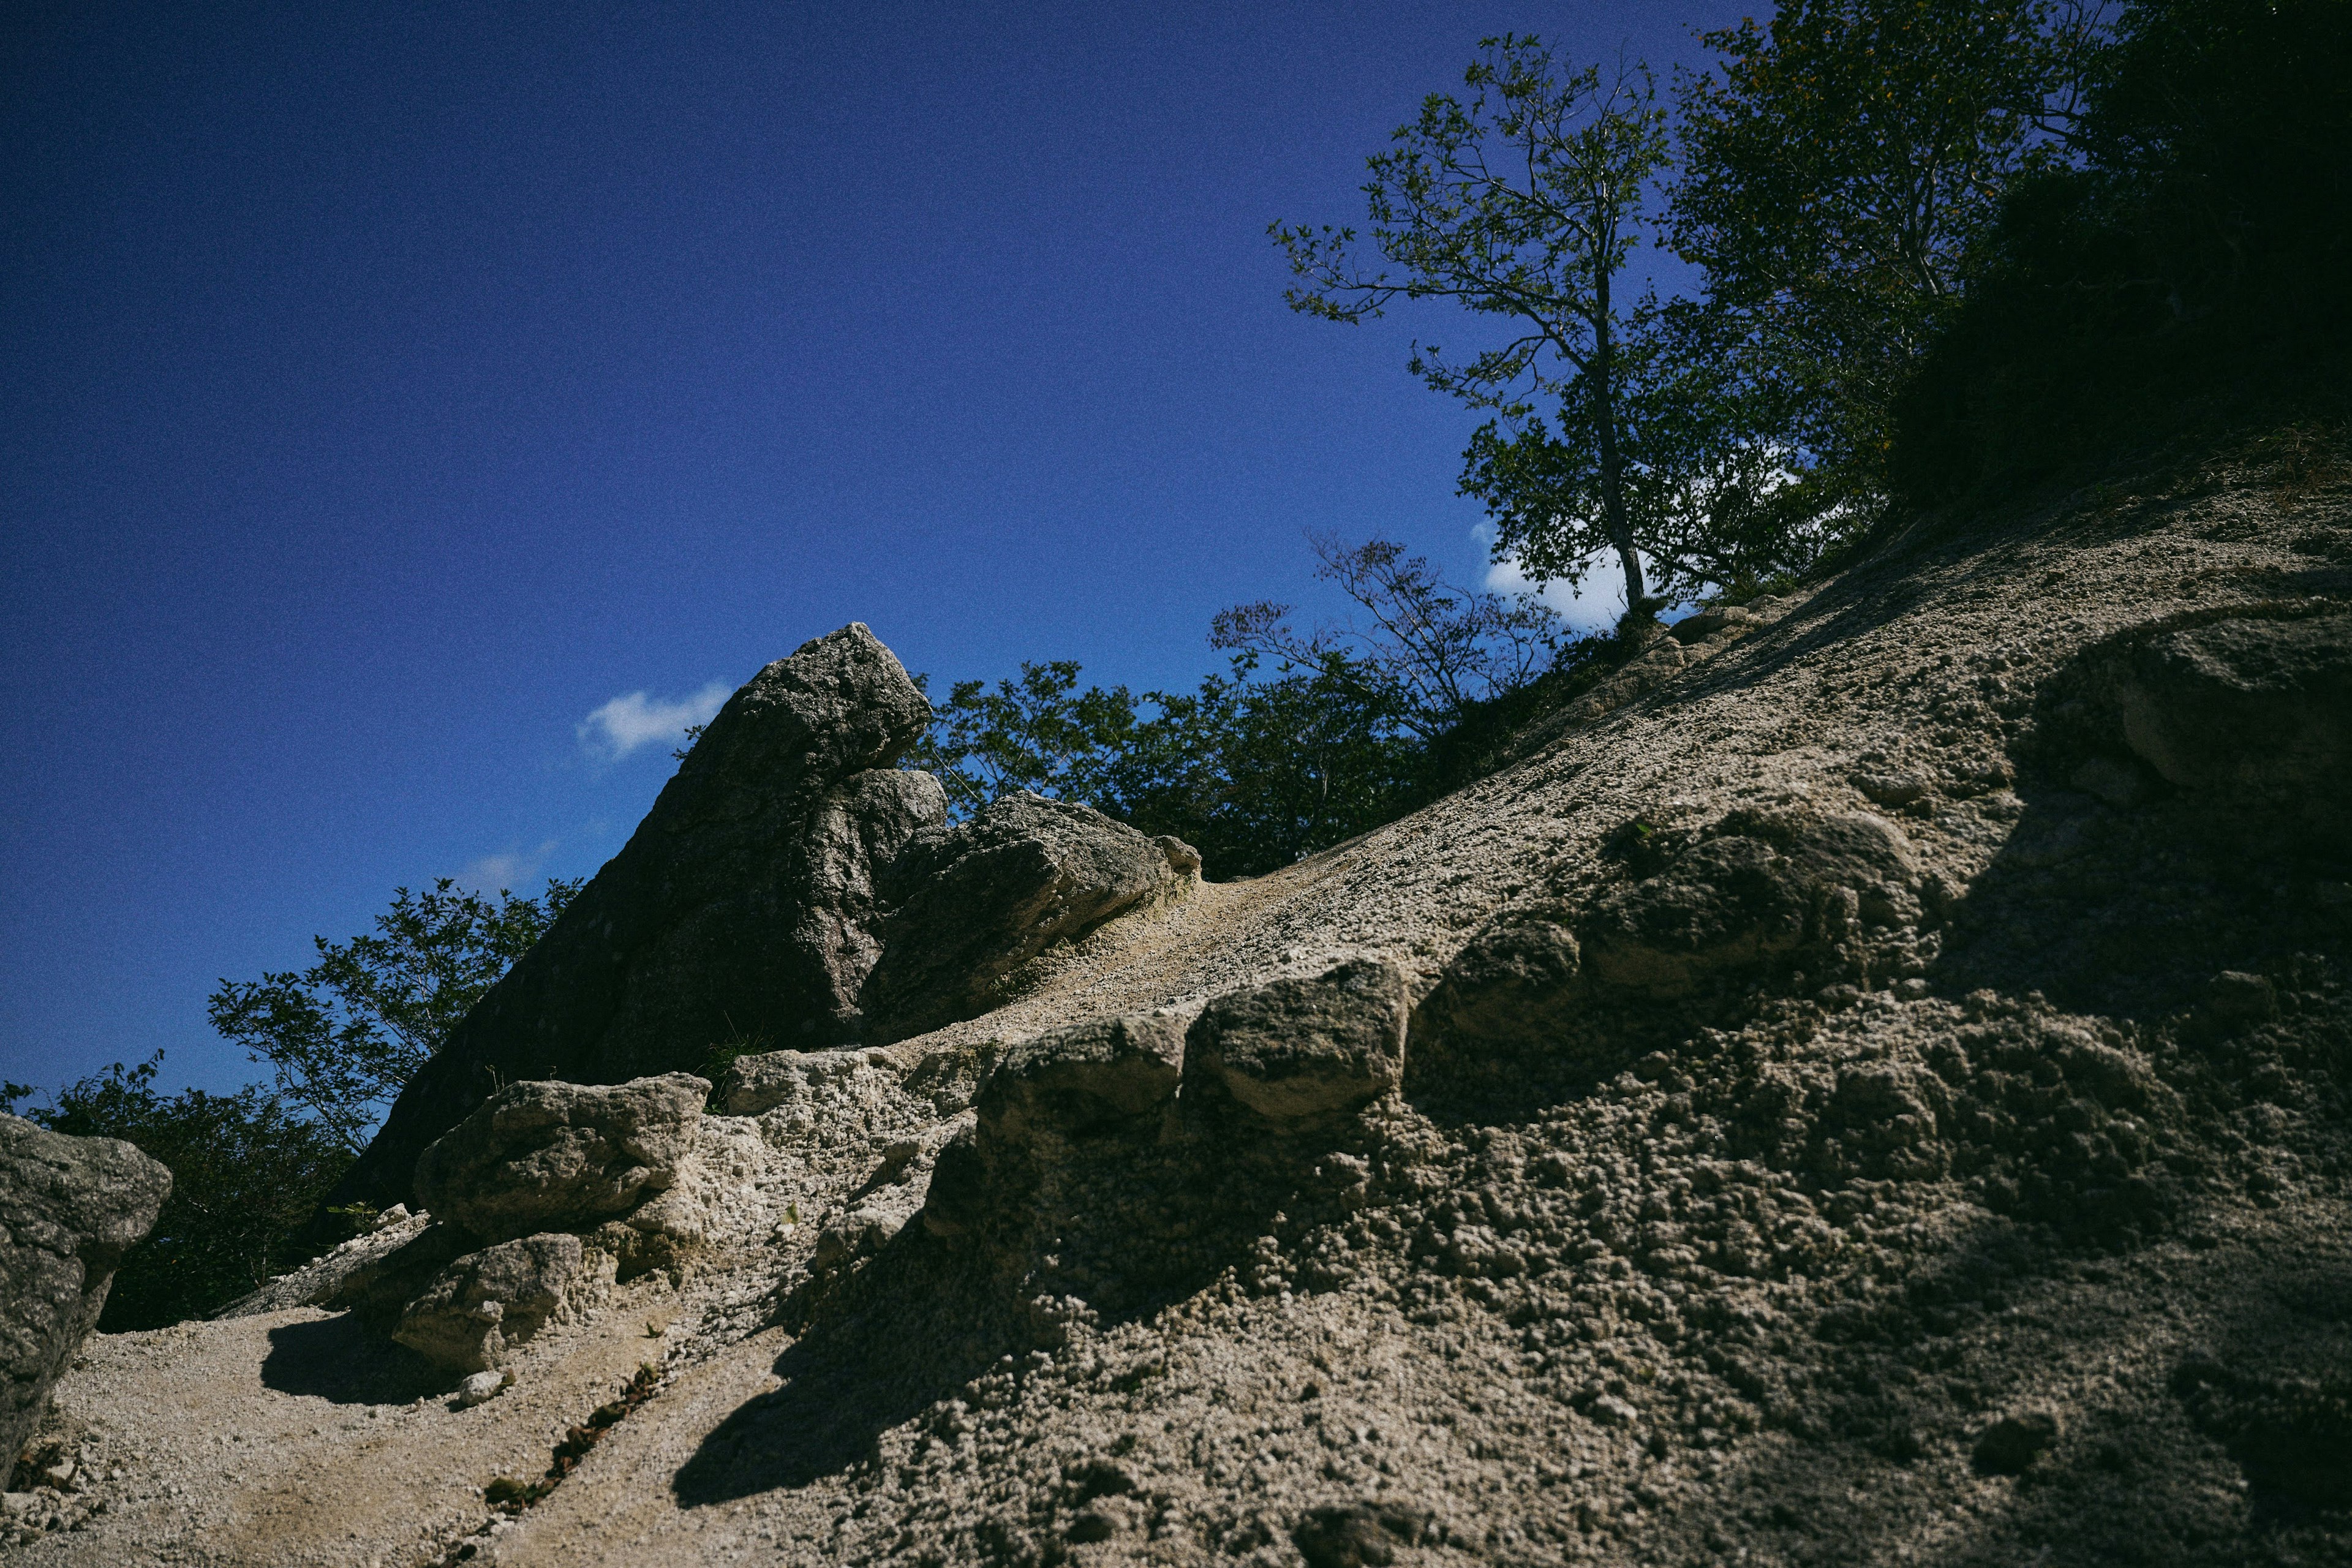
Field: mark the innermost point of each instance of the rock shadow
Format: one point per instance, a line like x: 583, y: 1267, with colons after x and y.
x: 339, y: 1360
x: 1114, y: 1239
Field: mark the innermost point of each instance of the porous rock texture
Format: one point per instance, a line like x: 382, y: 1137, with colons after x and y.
x: 740, y: 908
x: 547, y: 1157
x: 1827, y: 1133
x: 69, y: 1209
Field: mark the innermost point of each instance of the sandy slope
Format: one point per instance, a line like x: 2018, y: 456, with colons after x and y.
x: 1649, y: 1317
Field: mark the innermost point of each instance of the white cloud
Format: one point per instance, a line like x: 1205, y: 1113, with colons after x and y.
x: 1594, y: 607
x: 632, y: 720
x: 511, y: 869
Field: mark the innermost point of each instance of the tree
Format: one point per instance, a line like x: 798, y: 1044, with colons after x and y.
x: 343, y: 1036
x: 1433, y: 648
x: 1837, y: 169
x: 1039, y: 733
x: 247, y: 1175
x: 1523, y: 202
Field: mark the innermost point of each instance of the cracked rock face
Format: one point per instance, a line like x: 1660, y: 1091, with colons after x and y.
x: 976, y: 903
x: 544, y: 1156
x: 69, y: 1209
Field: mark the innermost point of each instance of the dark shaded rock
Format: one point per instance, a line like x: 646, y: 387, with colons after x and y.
x: 2010, y: 1445
x: 1108, y: 1077
x: 2243, y: 704
x: 1514, y: 981
x: 1706, y: 622
x: 740, y: 907
x: 975, y: 902
x: 539, y: 1156
x: 69, y: 1209
x: 1091, y: 1076
x: 1305, y: 1049
x: 383, y: 1284
x: 476, y: 1309
x: 1357, y: 1535
x: 1753, y: 888
x: 326, y: 1277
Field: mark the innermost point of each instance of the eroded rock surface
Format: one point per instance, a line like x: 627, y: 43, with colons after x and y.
x: 69, y: 1209
x: 546, y: 1156
x: 973, y: 903
x: 739, y: 909
x: 478, y: 1308
x: 1305, y: 1049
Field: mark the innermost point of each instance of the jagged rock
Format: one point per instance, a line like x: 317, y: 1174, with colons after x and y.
x: 1752, y: 887
x: 1104, y: 1077
x: 69, y: 1209
x: 975, y: 902
x: 740, y: 908
x: 538, y: 1156
x: 481, y: 1306
x: 1303, y: 1050
x: 325, y: 1277
x: 386, y: 1282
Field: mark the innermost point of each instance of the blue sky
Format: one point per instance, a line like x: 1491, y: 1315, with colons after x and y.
x: 385, y: 391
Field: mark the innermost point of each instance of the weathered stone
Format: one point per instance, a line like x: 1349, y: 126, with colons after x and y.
x: 69, y: 1209
x: 2243, y: 704
x: 480, y: 1308
x: 1303, y: 1050
x: 1088, y: 1078
x: 975, y: 902
x: 2010, y: 1445
x: 538, y: 1156
x: 741, y: 908
x: 1103, y: 1078
x: 1753, y: 888
x: 1706, y: 622
x: 325, y: 1277
x: 758, y: 1083
x: 1516, y: 981
x: 481, y: 1388
x: 382, y: 1285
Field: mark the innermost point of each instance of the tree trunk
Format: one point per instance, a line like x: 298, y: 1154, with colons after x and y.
x: 1612, y: 476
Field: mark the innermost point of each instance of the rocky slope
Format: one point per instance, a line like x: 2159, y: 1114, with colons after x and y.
x: 1866, y: 1086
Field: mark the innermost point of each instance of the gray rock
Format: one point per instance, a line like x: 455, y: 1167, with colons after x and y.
x: 479, y: 1308
x: 69, y: 1209
x: 1750, y: 888
x: 324, y: 1278
x: 540, y: 1156
x: 1091, y: 1077
x: 1107, y: 1077
x: 385, y: 1282
x: 758, y: 1083
x: 2243, y: 704
x: 976, y: 901
x: 480, y: 1389
x: 1303, y: 1049
x: 740, y: 907
x: 1515, y: 980
x: 1708, y: 622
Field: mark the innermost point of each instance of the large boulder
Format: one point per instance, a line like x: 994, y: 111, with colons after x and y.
x: 476, y: 1310
x: 1304, y: 1050
x: 975, y: 902
x: 69, y: 1209
x: 741, y: 907
x: 556, y: 1156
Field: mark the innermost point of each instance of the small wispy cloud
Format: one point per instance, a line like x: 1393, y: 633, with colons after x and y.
x: 511, y: 869
x: 1595, y: 606
x: 633, y: 720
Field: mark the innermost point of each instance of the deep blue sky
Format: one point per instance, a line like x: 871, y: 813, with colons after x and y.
x: 383, y: 390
